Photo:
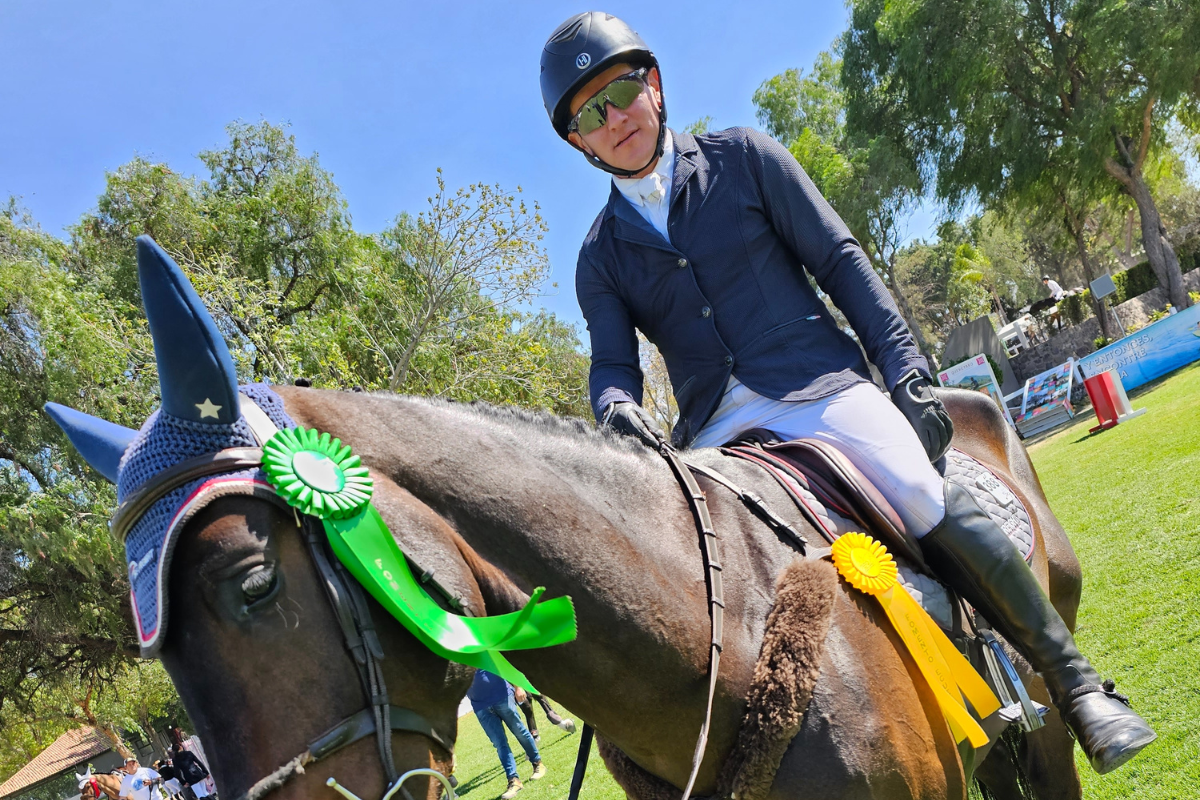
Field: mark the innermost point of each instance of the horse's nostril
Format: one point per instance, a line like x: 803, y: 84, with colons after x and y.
x: 259, y: 583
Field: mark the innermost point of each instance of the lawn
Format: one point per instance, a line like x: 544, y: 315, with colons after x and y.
x: 480, y: 776
x: 1130, y: 499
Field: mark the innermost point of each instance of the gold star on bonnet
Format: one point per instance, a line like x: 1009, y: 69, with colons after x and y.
x: 208, y: 409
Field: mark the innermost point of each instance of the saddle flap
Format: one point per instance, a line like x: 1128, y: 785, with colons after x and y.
x: 837, y: 482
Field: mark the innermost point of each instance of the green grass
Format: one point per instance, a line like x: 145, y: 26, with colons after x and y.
x: 480, y: 776
x: 1129, y: 498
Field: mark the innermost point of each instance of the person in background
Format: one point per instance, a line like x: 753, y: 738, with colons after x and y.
x: 1056, y: 291
x: 140, y: 783
x: 491, y: 699
x: 171, y: 784
x: 190, y: 769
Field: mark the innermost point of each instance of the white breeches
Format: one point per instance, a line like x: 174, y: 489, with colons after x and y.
x: 863, y: 424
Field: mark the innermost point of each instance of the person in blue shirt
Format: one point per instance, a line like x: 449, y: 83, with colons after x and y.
x: 707, y: 245
x: 492, y: 701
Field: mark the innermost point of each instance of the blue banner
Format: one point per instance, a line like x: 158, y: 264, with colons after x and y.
x: 1152, y: 352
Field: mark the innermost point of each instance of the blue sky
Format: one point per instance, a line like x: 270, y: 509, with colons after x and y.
x: 384, y: 92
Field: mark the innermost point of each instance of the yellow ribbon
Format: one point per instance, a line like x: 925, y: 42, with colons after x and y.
x: 867, y: 566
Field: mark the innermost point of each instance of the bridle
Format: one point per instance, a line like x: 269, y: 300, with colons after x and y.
x: 350, y: 608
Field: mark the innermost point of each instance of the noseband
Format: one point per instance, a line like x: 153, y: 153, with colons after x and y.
x: 350, y: 609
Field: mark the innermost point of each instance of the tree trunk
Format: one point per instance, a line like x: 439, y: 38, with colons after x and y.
x: 1159, y: 250
x: 1089, y: 273
x: 1127, y: 169
x: 1075, y: 226
x: 999, y: 306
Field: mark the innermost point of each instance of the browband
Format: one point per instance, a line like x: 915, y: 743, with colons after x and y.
x: 231, y: 459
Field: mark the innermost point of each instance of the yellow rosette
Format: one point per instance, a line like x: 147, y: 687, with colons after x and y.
x: 866, y: 565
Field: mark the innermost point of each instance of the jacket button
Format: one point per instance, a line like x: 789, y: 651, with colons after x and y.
x: 681, y: 263
x: 729, y: 361
x: 706, y: 312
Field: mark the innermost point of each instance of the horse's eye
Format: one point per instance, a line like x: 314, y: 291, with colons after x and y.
x: 259, y: 583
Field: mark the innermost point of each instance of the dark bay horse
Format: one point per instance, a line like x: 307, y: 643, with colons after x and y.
x: 494, y: 502
x: 497, y: 502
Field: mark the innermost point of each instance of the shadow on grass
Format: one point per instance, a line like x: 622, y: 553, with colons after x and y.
x: 492, y: 773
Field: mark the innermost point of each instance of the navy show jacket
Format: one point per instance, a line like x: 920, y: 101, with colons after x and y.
x: 729, y: 293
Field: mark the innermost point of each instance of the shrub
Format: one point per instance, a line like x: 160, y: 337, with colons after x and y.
x: 1155, y: 316
x: 1133, y: 282
x: 1101, y: 341
x: 1075, y: 308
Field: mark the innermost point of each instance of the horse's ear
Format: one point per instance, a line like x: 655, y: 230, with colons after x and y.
x: 195, y: 370
x: 100, y: 442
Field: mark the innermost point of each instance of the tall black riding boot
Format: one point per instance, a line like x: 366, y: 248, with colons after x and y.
x: 975, y: 558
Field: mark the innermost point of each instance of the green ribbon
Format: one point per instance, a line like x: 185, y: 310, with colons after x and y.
x: 318, y: 475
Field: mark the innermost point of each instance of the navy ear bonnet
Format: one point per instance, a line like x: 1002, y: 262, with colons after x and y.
x: 166, y: 440
x: 201, y: 413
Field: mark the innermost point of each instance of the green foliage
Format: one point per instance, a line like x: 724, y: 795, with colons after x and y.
x: 1101, y: 341
x: 702, y: 125
x: 1026, y: 105
x: 434, y: 305
x: 1075, y: 308
x: 1155, y: 316
x: 1130, y: 283
x: 1133, y: 282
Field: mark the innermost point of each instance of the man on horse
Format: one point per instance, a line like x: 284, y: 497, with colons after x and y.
x: 706, y: 245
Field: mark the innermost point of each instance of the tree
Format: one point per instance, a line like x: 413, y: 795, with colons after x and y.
x: 64, y: 613
x: 992, y: 97
x: 431, y: 306
x: 472, y: 253
x: 866, y: 179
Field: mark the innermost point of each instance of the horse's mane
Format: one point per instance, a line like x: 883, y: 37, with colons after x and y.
x: 544, y: 423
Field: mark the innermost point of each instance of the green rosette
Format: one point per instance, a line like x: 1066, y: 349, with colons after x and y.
x: 317, y: 474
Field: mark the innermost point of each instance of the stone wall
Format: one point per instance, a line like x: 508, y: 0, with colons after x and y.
x: 1073, y: 342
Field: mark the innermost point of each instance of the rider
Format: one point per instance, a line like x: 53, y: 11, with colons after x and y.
x: 706, y: 245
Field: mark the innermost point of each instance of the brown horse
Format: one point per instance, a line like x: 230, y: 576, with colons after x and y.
x: 109, y: 783
x: 495, y: 502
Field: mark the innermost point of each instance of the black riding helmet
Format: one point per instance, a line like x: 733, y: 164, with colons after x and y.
x: 579, y: 50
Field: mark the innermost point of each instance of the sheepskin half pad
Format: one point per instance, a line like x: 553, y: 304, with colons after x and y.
x: 787, y: 670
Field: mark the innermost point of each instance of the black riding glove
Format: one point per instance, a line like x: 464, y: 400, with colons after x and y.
x: 632, y: 420
x: 915, y: 399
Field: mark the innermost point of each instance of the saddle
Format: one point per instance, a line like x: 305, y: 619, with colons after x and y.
x: 826, y: 487
x: 817, y: 469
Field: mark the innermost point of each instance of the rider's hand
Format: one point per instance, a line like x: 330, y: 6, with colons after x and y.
x: 915, y: 399
x: 632, y: 420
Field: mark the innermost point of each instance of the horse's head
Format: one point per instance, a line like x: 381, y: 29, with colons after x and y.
x: 276, y: 652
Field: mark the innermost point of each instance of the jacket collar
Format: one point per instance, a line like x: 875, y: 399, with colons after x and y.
x: 686, y: 153
x: 631, y: 225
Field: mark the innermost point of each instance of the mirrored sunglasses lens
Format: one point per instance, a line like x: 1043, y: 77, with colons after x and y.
x: 621, y: 93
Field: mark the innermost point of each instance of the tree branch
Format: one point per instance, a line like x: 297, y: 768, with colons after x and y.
x: 38, y: 475
x: 1144, y: 145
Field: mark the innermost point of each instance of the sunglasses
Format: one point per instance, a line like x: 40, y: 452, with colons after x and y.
x: 621, y: 93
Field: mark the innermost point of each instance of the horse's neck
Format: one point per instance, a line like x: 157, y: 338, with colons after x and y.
x: 543, y: 505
